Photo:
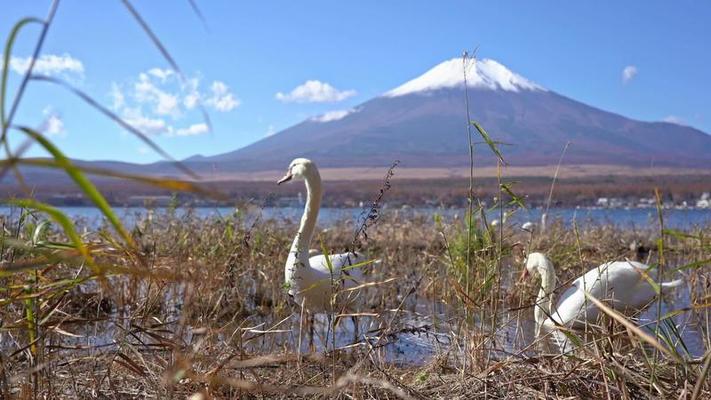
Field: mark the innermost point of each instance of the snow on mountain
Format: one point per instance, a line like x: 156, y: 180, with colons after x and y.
x: 485, y: 73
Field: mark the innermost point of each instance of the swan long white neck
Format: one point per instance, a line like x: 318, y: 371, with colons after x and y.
x: 297, y: 263
x: 545, y: 293
x: 310, y: 215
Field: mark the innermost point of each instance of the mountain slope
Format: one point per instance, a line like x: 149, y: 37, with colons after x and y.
x: 423, y: 124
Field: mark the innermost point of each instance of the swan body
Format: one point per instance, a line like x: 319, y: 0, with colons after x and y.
x: 308, y: 279
x: 621, y: 283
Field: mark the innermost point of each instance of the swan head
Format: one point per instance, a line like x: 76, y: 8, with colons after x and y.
x: 300, y: 168
x: 528, y: 226
x: 536, y: 262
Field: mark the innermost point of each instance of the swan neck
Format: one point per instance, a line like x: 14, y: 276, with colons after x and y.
x: 310, y: 215
x: 545, y: 294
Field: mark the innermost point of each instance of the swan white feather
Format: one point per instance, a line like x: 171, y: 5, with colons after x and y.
x: 308, y: 279
x: 622, y: 284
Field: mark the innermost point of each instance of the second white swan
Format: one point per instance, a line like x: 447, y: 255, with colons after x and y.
x: 623, y: 284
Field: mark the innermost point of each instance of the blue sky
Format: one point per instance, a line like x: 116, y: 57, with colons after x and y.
x: 252, y: 64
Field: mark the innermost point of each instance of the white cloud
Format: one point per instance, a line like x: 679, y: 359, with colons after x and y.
x: 143, y: 150
x: 628, y: 73
x: 151, y: 126
x: 313, y: 91
x: 191, y: 100
x: 157, y: 101
x: 53, y: 124
x: 271, y: 130
x: 192, y: 97
x: 164, y: 103
x: 222, y: 98
x: 332, y: 116
x: 192, y: 130
x: 49, y: 64
x: 117, y: 98
x: 162, y: 74
x: 673, y: 119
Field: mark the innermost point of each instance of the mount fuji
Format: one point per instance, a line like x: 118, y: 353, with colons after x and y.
x: 423, y: 123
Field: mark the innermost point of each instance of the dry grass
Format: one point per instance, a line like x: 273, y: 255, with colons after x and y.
x: 414, y: 192
x: 200, y: 308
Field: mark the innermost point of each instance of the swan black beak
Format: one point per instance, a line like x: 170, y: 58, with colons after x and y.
x: 286, y: 178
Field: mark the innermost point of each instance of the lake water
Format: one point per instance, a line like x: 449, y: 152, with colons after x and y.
x: 634, y: 218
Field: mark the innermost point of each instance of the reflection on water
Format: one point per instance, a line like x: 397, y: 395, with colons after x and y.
x: 415, y: 339
x: 413, y: 335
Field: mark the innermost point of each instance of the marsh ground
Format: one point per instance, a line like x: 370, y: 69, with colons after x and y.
x: 198, y: 308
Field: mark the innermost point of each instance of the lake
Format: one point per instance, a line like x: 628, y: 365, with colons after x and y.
x: 632, y: 218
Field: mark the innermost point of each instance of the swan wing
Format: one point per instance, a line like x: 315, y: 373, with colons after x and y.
x: 619, y: 283
x: 625, y: 285
x: 340, y: 263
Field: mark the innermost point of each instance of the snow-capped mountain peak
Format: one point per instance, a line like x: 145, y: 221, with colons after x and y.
x: 485, y: 74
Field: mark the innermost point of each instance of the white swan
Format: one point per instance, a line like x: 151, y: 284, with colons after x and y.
x: 308, y: 279
x: 528, y: 226
x: 621, y: 283
x: 494, y: 223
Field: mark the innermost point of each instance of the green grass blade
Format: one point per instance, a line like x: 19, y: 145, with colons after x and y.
x: 679, y: 234
x: 58, y: 217
x: 85, y: 184
x: 515, y: 199
x: 494, y: 148
x: 358, y: 265
x: 327, y: 257
x: 693, y: 265
x: 40, y: 232
x: 163, y: 183
x: 6, y: 63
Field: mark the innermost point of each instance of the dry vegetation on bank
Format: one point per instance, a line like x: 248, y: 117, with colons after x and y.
x: 445, y: 192
x: 198, y: 307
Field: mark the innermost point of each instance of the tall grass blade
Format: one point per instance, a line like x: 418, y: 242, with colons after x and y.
x: 693, y: 265
x: 26, y: 77
x: 515, y: 199
x: 199, y: 14
x: 163, y: 183
x: 164, y: 51
x: 89, y: 100
x: 492, y: 145
x: 631, y: 327
x: 6, y: 63
x: 57, y: 216
x: 86, y: 186
x: 555, y: 177
x: 702, y: 376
